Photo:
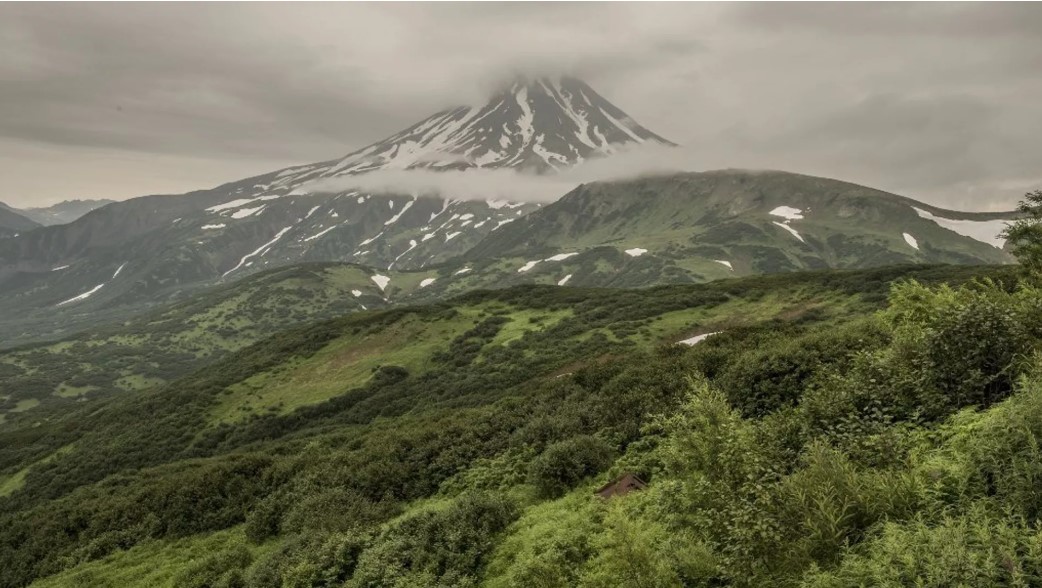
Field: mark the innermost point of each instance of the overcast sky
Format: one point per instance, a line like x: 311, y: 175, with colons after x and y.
x: 939, y: 101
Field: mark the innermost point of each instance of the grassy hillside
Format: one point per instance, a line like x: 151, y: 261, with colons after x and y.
x: 756, y: 222
x: 459, y: 443
x: 166, y: 344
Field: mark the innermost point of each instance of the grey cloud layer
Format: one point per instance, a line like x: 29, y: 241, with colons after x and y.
x: 937, y: 101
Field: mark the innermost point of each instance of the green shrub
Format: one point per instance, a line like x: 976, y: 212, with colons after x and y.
x: 445, y: 546
x: 563, y: 465
x: 974, y: 550
x: 219, y: 570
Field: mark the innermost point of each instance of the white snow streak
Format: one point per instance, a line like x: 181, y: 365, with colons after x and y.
x: 371, y: 239
x: 911, y: 241
x: 528, y: 265
x: 727, y: 263
x: 320, y: 233
x: 525, y: 122
x: 790, y: 229
x: 988, y: 231
x: 395, y: 218
x: 624, y: 128
x: 245, y: 212
x: 636, y: 252
x: 697, y: 339
x: 564, y: 280
x: 561, y: 256
x: 259, y: 251
x: 426, y: 282
x: 82, y: 296
x: 380, y: 281
x: 233, y: 204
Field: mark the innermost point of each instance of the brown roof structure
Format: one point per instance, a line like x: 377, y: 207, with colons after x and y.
x: 622, y: 486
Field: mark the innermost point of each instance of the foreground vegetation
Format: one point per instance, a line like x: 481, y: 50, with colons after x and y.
x: 862, y: 428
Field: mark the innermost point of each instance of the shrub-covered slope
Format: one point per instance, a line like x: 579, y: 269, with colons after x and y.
x: 811, y: 441
x: 171, y: 342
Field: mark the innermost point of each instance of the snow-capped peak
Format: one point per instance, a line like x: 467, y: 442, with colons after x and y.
x: 539, y: 125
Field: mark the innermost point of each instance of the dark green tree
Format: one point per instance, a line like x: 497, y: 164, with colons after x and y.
x: 1025, y: 234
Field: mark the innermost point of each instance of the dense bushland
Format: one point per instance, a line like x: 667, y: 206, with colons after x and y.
x: 835, y: 447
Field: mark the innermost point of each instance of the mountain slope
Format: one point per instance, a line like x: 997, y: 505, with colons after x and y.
x: 713, y: 224
x: 363, y: 447
x: 64, y: 212
x: 147, y: 250
x: 13, y: 222
x: 170, y: 342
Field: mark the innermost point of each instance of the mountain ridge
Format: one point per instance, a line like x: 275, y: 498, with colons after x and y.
x: 13, y: 222
x: 135, y: 254
x: 167, y: 246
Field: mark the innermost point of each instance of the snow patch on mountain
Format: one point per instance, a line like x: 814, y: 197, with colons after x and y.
x: 380, y: 281
x: 564, y: 280
x: 697, y: 338
x: 636, y: 252
x: 371, y: 239
x: 229, y: 205
x: 528, y: 265
x: 395, y: 218
x: 83, y: 296
x: 911, y: 241
x: 561, y: 256
x: 788, y: 213
x: 217, y: 226
x: 791, y: 230
x: 987, y: 231
x: 258, y: 251
x: 426, y: 282
x: 245, y: 212
x: 320, y: 233
x: 723, y: 262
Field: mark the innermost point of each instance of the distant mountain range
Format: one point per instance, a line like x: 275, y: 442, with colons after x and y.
x: 63, y: 212
x: 132, y: 255
x: 13, y: 221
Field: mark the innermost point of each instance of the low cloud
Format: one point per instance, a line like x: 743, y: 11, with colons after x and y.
x: 510, y: 184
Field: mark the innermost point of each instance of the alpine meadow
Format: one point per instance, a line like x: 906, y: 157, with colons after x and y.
x: 526, y: 341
